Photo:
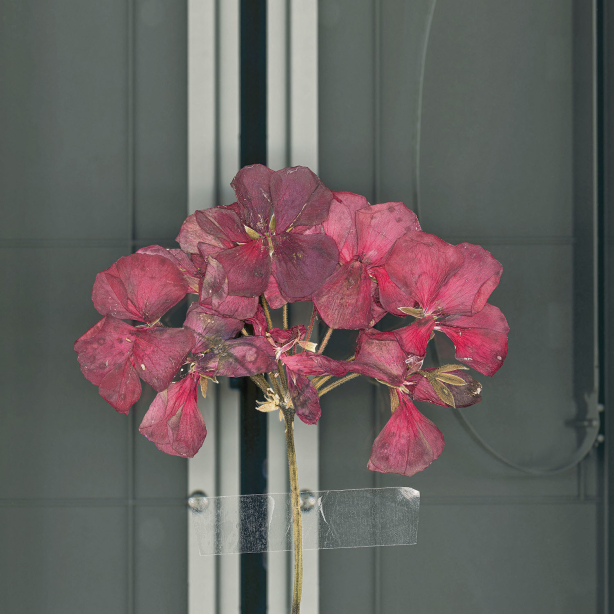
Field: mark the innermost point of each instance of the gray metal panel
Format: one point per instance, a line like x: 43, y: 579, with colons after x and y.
x: 495, y: 558
x: 57, y: 431
x: 497, y: 163
x: 161, y: 560
x: 160, y: 118
x: 63, y: 121
x: 63, y: 560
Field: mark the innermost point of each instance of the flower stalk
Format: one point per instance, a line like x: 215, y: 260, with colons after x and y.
x: 296, y: 513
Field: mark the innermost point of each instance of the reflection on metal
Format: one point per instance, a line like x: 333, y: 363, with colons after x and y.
x: 198, y: 501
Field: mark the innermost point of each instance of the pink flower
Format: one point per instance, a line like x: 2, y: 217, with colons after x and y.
x: 113, y: 355
x: 450, y: 284
x: 272, y: 230
x: 139, y: 287
x: 408, y: 443
x: 218, y: 354
x: 173, y: 421
x: 364, y: 235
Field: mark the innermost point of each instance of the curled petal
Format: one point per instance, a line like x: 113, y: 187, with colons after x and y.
x: 299, y: 198
x: 345, y: 298
x: 304, y: 397
x: 379, y: 226
x: 247, y: 268
x: 209, y: 328
x: 408, y: 443
x: 258, y: 322
x: 160, y: 352
x: 303, y: 262
x: 480, y: 340
x: 140, y: 287
x: 252, y: 187
x: 433, y: 263
x: 463, y: 395
x: 174, y: 422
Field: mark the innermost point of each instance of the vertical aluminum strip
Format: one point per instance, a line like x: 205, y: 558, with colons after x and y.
x: 292, y: 139
x: 213, y: 160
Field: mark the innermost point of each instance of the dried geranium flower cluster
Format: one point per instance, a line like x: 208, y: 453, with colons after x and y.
x: 288, y: 238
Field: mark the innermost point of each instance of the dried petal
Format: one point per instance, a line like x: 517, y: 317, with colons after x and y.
x: 252, y: 187
x: 340, y: 224
x: 247, y: 268
x: 480, y: 340
x: 139, y: 287
x: 210, y: 329
x: 160, y: 352
x: 379, y: 226
x: 304, y: 397
x: 344, y: 300
x: 408, y: 443
x: 299, y: 198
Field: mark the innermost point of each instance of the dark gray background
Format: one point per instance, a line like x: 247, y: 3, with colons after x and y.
x: 93, y: 165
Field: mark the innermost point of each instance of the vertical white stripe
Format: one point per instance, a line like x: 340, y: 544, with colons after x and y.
x: 213, y: 160
x: 304, y: 83
x: 292, y: 132
x: 201, y: 194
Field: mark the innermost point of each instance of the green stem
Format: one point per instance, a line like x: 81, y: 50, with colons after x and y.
x: 296, y: 514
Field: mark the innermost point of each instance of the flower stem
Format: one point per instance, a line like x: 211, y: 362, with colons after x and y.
x: 311, y: 322
x: 347, y: 378
x: 260, y: 382
x: 285, y: 316
x: 267, y: 313
x: 329, y: 332
x: 296, y: 514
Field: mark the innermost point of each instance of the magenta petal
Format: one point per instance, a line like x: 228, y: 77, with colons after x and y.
x: 209, y: 328
x: 174, y: 422
x: 415, y: 337
x: 108, y: 343
x: 252, y: 187
x: 273, y: 294
x: 214, y: 294
x: 464, y: 396
x: 218, y: 228
x: 340, y: 224
x: 310, y: 363
x: 379, y: 355
x: 140, y: 287
x: 344, y: 300
x: 258, y: 322
x: 379, y: 226
x: 247, y: 268
x: 160, y: 352
x: 303, y: 262
x: 407, y: 444
x: 433, y: 262
x: 480, y: 340
x: 304, y: 397
x: 389, y: 295
x: 299, y: 198
x: 180, y: 259
x: 467, y: 291
x: 239, y: 358
x: 121, y: 387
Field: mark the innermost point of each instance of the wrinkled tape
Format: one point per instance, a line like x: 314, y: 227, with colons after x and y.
x: 331, y: 519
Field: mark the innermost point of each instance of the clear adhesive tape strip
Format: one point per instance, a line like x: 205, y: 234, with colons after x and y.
x: 359, y: 518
